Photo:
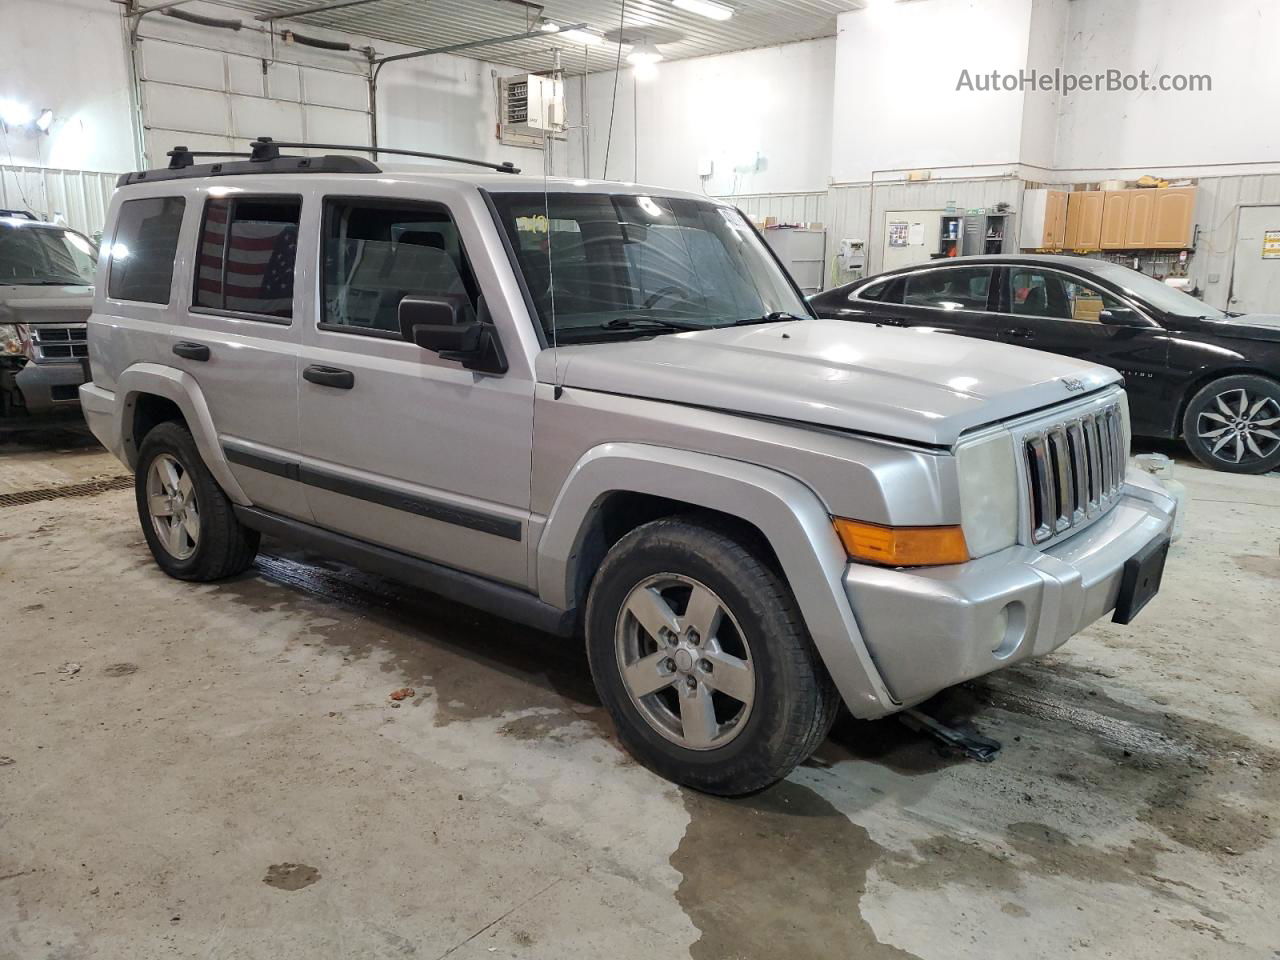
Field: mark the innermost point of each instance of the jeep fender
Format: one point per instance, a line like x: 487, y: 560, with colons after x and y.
x: 789, y: 514
x: 183, y: 390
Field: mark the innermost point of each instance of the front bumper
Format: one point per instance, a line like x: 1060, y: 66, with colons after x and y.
x: 48, y: 390
x: 928, y: 629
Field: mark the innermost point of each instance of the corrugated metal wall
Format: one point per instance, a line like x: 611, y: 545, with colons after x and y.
x: 848, y: 205
x: 77, y: 198
x: 1217, y: 204
x: 787, y: 207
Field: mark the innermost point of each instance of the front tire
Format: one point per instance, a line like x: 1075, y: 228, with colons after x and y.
x: 701, y: 657
x: 1233, y: 424
x: 188, y: 521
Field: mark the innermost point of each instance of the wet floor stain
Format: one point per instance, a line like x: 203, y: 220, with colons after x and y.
x: 813, y: 861
x: 120, y: 669
x: 1262, y: 566
x: 476, y: 665
x: 290, y: 876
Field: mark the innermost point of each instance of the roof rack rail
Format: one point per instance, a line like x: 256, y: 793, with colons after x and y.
x: 264, y: 148
x: 19, y: 214
x: 265, y: 157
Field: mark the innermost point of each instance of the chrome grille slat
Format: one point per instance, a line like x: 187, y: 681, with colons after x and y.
x: 1074, y: 471
x: 60, y: 343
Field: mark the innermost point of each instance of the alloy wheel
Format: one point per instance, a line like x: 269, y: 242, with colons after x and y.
x: 685, y: 661
x: 171, y: 503
x: 1238, y: 427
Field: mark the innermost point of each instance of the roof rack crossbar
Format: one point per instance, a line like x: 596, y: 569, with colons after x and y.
x: 181, y: 157
x: 265, y: 148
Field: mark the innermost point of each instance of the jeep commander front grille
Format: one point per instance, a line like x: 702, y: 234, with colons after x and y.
x: 1075, y: 471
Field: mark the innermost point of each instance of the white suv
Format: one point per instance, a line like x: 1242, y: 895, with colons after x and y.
x: 604, y: 410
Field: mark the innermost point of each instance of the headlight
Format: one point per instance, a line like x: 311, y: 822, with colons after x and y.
x: 988, y: 475
x: 10, y: 340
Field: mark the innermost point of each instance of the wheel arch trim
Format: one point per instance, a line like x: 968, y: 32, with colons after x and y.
x: 182, y: 389
x: 789, y: 514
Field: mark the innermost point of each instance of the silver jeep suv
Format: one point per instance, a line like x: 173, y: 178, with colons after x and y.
x: 605, y: 411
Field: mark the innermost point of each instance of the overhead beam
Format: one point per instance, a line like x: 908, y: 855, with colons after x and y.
x: 472, y: 44
x: 305, y: 11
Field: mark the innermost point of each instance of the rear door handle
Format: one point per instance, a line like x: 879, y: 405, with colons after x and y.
x: 1020, y: 333
x: 329, y: 376
x: 192, y: 351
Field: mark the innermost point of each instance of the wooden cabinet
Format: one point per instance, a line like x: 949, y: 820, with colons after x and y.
x: 1173, y: 215
x: 1084, y: 220
x: 1044, y: 220
x: 1115, y: 219
x: 1137, y: 227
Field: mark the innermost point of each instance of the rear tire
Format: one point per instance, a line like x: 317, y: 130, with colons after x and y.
x: 188, y: 521
x: 1233, y: 424
x: 729, y: 708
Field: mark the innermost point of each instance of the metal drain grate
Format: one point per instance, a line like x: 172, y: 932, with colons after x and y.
x: 88, y: 488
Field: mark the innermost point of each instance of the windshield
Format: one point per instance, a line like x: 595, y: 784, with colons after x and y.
x: 603, y: 265
x: 1160, y: 295
x: 35, y: 253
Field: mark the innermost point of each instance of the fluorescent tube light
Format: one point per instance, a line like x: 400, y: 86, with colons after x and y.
x: 705, y: 8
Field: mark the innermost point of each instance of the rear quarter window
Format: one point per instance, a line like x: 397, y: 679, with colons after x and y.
x: 143, y: 249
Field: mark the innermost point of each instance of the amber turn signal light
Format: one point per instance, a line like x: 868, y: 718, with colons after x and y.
x: 901, y: 546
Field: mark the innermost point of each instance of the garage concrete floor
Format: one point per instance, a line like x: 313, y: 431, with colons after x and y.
x: 219, y: 771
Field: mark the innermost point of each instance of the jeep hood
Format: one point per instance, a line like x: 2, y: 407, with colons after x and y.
x: 919, y: 386
x: 23, y: 303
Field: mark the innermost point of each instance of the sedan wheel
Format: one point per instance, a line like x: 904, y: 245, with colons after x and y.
x: 1233, y: 424
x: 1241, y: 426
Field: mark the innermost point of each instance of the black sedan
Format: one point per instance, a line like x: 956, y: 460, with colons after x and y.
x: 1191, y: 371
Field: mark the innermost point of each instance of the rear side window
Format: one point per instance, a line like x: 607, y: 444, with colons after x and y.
x: 143, y: 249
x: 248, y: 249
x: 376, y: 254
x: 951, y: 288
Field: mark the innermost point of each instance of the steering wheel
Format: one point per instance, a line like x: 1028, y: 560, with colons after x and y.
x: 671, y: 291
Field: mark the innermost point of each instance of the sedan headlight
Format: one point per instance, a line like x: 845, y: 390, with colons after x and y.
x: 10, y: 340
x: 988, y: 475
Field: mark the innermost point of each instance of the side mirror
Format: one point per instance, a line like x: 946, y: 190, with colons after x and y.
x: 1121, y: 317
x: 451, y: 328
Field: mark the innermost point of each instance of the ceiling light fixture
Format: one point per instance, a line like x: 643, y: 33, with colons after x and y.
x: 585, y: 37
x: 45, y: 120
x: 705, y: 8
x: 644, y: 53
x: 14, y: 114
x: 548, y: 26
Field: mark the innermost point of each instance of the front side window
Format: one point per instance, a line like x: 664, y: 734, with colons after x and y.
x: 951, y: 288
x: 248, y: 248
x: 1046, y: 293
x: 599, y: 263
x: 376, y: 254
x: 144, y: 248
x: 36, y: 254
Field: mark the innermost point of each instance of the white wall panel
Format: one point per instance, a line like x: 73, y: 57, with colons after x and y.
x: 258, y: 117
x: 77, y: 198
x: 329, y: 89
x: 244, y: 75
x: 284, y: 81
x: 183, y: 65
x: 185, y: 108
x: 327, y: 125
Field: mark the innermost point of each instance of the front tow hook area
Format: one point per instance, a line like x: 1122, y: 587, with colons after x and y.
x: 973, y: 745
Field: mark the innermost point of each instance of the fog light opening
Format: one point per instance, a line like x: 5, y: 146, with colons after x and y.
x: 1009, y: 629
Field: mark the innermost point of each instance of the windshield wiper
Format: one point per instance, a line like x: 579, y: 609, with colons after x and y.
x: 777, y: 316
x: 650, y: 323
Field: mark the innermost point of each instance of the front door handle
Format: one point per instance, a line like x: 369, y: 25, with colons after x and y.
x: 1020, y: 333
x: 329, y: 376
x: 192, y: 351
